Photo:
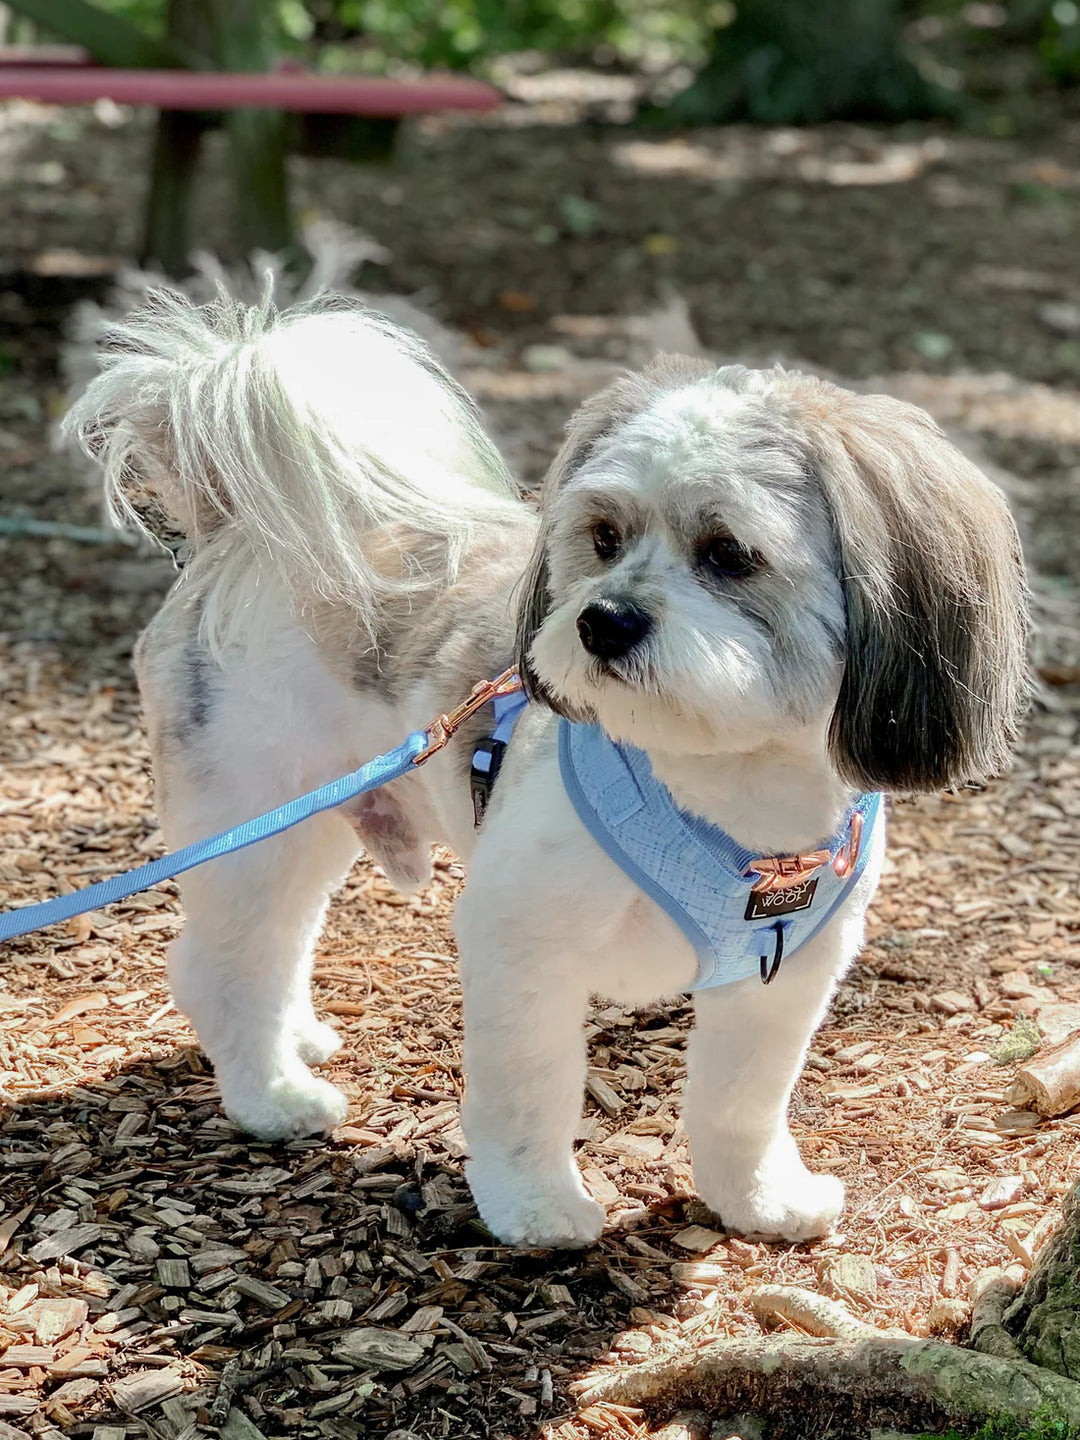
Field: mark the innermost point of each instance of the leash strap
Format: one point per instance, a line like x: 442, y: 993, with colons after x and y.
x: 413, y: 751
x: 380, y: 771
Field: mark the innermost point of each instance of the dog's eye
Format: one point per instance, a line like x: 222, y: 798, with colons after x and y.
x: 724, y: 555
x: 606, y: 540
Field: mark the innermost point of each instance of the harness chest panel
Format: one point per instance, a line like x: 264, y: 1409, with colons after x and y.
x: 696, y: 872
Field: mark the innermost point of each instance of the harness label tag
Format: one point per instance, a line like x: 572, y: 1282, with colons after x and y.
x: 768, y: 904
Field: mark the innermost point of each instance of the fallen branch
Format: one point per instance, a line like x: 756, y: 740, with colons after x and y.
x: 1050, y: 1082
x: 913, y: 1384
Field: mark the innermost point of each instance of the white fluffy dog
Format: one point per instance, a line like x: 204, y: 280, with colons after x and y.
x: 781, y: 592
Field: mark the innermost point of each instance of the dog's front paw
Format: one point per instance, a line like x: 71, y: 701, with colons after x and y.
x: 547, y: 1214
x: 777, y: 1197
x: 293, y: 1104
x: 315, y: 1041
x: 794, y: 1209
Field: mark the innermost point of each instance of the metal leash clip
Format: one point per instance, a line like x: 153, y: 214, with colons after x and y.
x: 441, y: 730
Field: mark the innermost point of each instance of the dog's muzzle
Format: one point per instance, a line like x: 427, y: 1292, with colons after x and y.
x: 610, y: 628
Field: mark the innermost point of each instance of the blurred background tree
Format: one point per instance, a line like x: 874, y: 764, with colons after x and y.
x: 779, y: 63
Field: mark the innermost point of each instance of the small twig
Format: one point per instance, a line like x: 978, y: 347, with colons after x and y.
x: 227, y: 1387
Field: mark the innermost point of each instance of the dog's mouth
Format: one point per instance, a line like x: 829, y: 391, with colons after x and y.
x: 600, y: 671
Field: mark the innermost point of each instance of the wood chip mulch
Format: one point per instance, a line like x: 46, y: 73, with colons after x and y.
x: 163, y: 1275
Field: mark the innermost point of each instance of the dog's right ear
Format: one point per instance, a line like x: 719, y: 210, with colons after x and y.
x: 600, y: 416
x: 532, y: 611
x: 586, y: 426
x: 596, y: 418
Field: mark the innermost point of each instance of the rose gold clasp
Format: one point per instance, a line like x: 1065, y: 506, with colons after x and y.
x: 442, y: 728
x: 847, y: 857
x: 781, y: 872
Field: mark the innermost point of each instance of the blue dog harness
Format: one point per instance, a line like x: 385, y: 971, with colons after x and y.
x: 742, y: 914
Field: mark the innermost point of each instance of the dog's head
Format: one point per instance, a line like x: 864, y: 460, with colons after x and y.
x: 730, y: 558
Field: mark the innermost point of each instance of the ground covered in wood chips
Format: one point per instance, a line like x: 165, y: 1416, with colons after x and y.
x: 162, y: 1275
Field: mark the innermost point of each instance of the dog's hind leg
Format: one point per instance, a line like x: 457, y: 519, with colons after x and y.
x: 241, y: 973
x: 227, y: 746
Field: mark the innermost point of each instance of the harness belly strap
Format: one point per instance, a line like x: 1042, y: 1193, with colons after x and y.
x: 487, y: 758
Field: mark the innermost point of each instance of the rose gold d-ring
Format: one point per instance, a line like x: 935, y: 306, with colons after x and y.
x: 847, y: 857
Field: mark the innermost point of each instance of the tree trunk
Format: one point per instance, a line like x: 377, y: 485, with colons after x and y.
x: 246, y: 39
x: 239, y: 35
x: 780, y: 63
x: 167, y: 237
x: 1045, y: 1318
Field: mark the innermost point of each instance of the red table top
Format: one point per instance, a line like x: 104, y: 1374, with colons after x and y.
x: 224, y: 90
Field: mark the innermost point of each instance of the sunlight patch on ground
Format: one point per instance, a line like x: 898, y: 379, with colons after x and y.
x: 794, y: 154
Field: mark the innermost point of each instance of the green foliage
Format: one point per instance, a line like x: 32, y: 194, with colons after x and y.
x: 458, y: 33
x: 1059, y: 45
x: 148, y: 15
x: 1044, y: 1426
x: 772, y: 61
x: 455, y: 32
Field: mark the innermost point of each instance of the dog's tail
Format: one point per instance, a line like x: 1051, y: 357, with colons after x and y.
x: 322, y: 440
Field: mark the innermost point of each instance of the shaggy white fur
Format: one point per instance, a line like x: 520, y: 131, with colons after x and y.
x: 779, y: 589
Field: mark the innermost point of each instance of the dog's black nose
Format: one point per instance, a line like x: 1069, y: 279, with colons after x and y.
x: 611, y: 628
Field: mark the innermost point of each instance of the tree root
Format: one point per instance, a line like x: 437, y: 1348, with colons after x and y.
x: 914, y: 1384
x: 848, y: 1377
x: 1045, y: 1317
x: 812, y: 1313
x: 992, y: 1294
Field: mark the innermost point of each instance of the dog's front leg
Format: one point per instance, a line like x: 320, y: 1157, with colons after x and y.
x: 525, y: 1076
x: 745, y: 1055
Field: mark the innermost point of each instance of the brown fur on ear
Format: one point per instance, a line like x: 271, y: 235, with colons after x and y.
x: 598, y: 417
x: 936, y: 680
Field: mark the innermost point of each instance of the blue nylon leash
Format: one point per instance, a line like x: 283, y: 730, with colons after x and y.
x: 404, y: 758
x: 380, y: 771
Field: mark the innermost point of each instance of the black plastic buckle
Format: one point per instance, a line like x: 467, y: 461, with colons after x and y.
x: 482, y: 782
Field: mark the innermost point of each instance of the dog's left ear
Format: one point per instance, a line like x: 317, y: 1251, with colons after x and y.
x: 936, y: 680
